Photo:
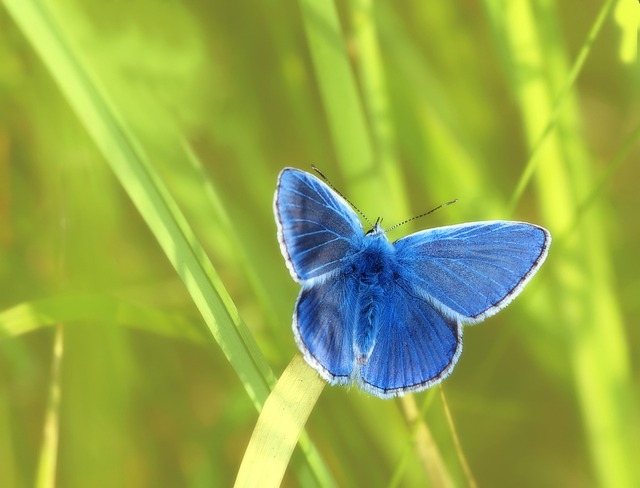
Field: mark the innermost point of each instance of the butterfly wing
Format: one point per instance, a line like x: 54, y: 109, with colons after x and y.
x: 317, y: 229
x: 471, y: 271
x: 323, y: 327
x: 416, y: 346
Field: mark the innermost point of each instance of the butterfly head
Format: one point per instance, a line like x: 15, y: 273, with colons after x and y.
x: 376, y: 230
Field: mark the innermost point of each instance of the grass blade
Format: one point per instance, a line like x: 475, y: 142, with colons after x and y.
x: 280, y: 423
x: 46, y: 477
x: 557, y: 106
x: 376, y: 101
x: 340, y: 96
x: 31, y: 316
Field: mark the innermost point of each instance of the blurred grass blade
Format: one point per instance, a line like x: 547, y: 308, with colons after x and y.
x: 418, y: 423
x: 342, y: 105
x: 471, y: 481
x: 46, y: 477
x: 134, y: 172
x: 598, y: 188
x: 590, y: 310
x: 370, y: 174
x: 130, y: 165
x: 440, y: 146
x: 376, y: 101
x: 627, y: 15
x: 8, y: 459
x: 243, y: 257
x: 30, y: 316
x: 279, y: 426
x: 426, y: 446
x: 558, y: 104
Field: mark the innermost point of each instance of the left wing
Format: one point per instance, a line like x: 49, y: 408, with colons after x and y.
x: 471, y: 271
x: 317, y: 229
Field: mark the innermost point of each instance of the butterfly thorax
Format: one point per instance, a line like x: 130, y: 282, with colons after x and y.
x: 374, y: 271
x: 375, y: 262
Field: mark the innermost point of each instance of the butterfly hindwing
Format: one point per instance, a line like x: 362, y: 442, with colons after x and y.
x: 317, y: 229
x: 416, y: 346
x: 323, y: 324
x: 471, y: 271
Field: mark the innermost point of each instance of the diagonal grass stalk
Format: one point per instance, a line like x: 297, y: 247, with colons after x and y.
x: 139, y: 179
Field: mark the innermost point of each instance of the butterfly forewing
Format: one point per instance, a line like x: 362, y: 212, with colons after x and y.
x: 317, y: 230
x: 472, y: 270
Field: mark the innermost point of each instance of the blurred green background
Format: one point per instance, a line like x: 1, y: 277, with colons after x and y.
x: 140, y: 143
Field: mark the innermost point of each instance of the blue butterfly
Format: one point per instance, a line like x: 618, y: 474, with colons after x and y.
x: 388, y: 316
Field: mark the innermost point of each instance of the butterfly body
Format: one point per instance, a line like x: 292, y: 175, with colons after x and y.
x: 373, y: 271
x: 388, y: 316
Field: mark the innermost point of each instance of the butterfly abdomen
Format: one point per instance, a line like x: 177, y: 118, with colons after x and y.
x: 367, y: 322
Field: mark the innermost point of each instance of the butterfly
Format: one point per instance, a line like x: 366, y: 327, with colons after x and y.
x: 388, y: 316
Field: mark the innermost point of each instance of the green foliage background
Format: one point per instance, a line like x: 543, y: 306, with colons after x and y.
x: 145, y: 309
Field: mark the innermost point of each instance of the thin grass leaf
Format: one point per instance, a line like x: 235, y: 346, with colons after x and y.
x: 47, y: 465
x: 243, y: 257
x: 9, y: 465
x: 91, y: 308
x: 557, y: 106
x: 443, y: 159
x: 376, y: 102
x: 426, y: 446
x: 129, y: 163
x: 598, y: 189
x: 342, y: 105
x: 471, y: 481
x: 280, y: 423
x: 409, y: 446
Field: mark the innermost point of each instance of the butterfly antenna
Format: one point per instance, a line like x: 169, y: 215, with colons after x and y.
x: 345, y: 198
x: 421, y: 215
